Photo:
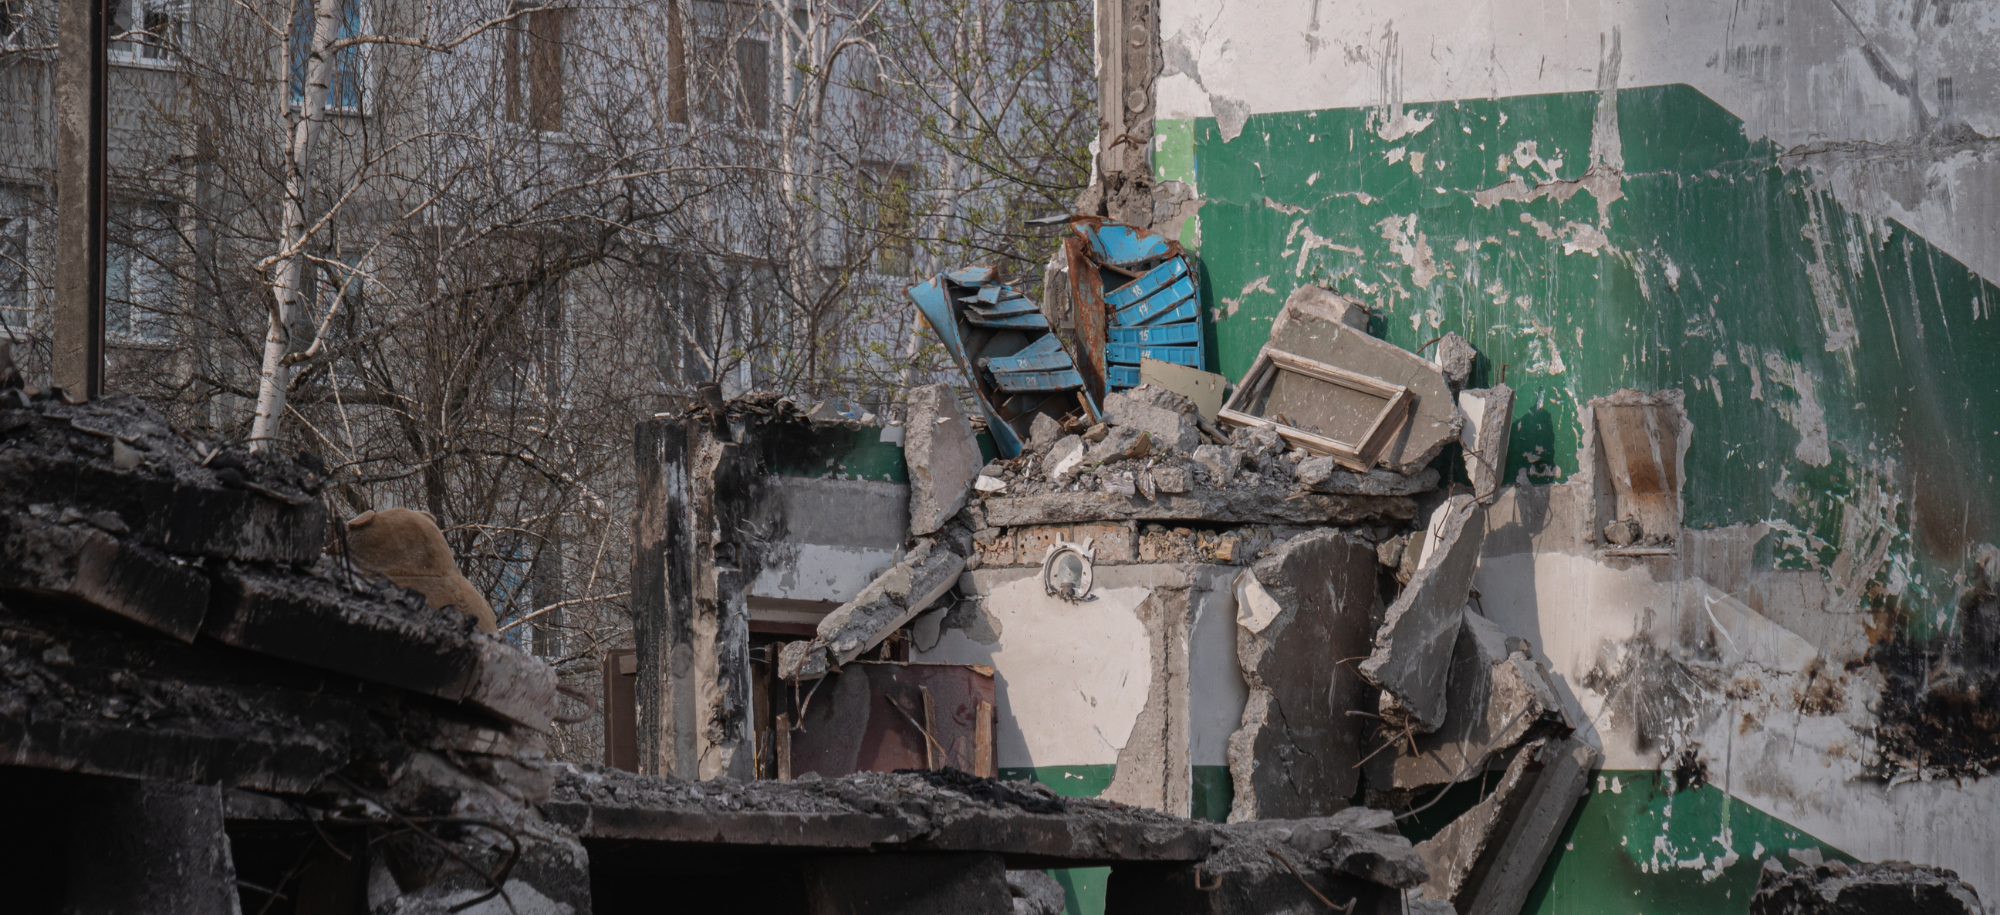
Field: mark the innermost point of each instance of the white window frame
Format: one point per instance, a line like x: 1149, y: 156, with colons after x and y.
x: 135, y: 54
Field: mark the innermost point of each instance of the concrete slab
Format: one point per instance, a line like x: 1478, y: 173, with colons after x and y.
x: 1499, y: 697
x: 1298, y: 611
x: 942, y: 453
x: 1412, y: 657
x: 1487, y: 860
x: 1166, y: 416
x: 1489, y: 420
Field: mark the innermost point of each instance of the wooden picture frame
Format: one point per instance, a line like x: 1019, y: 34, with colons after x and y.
x: 1358, y: 456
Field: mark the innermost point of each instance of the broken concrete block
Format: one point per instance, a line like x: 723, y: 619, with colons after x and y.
x: 943, y: 456
x: 895, y: 597
x: 1322, y: 301
x: 1623, y: 532
x: 1837, y: 888
x: 1486, y: 860
x: 1065, y: 457
x: 1120, y: 443
x: 1043, y: 431
x: 1499, y: 697
x: 1278, y: 866
x: 1489, y: 420
x: 1035, y: 893
x: 1319, y: 328
x: 1204, y: 389
x: 1412, y: 657
x: 1172, y: 478
x: 1376, y: 853
x: 1295, y: 752
x: 1324, y: 474
x: 1455, y: 358
x: 1168, y: 417
x: 1221, y: 467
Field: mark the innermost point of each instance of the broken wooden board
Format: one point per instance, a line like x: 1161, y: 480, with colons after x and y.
x: 1317, y: 328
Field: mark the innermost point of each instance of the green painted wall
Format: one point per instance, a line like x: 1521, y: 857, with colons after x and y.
x: 1718, y: 271
x: 854, y: 452
x: 1084, y: 886
x: 1835, y: 368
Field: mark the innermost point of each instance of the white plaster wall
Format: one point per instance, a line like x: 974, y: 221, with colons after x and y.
x: 1577, y: 606
x: 1070, y: 677
x: 828, y: 538
x: 1798, y: 72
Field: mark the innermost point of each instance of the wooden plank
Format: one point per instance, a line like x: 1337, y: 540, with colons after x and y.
x: 985, y: 766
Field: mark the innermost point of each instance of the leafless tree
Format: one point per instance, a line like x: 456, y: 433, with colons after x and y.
x: 460, y: 252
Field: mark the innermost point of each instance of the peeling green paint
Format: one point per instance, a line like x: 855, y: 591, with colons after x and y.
x: 1634, y: 846
x: 1835, y: 367
x: 838, y: 450
x: 1083, y: 887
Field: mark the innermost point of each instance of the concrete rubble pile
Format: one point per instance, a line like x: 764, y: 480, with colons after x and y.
x: 179, y: 656
x: 1371, y: 671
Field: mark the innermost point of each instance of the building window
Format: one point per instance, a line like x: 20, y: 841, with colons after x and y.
x: 531, y: 53
x: 138, y: 286
x: 147, y: 30
x: 344, y: 92
x: 892, y: 202
x: 16, y: 307
x: 738, y: 91
x: 677, y: 64
x: 13, y: 15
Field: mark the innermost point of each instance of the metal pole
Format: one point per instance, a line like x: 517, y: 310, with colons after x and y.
x: 80, y: 196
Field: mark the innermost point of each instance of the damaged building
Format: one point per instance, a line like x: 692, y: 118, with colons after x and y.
x: 1452, y: 482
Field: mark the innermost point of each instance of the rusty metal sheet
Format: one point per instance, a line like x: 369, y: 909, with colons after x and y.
x: 873, y: 715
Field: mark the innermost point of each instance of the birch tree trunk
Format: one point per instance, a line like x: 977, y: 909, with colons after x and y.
x: 287, y: 270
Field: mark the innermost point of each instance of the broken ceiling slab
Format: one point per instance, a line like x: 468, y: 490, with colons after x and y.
x: 895, y: 597
x: 1641, y: 442
x: 1839, y: 888
x: 942, y: 453
x: 1487, y: 859
x: 80, y: 561
x: 378, y: 634
x: 1413, y: 648
x: 1296, y: 750
x: 874, y: 812
x: 1324, y: 474
x: 1280, y: 866
x: 1489, y: 421
x: 1315, y: 328
x: 1221, y: 506
x: 117, y: 458
x: 1499, y: 697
